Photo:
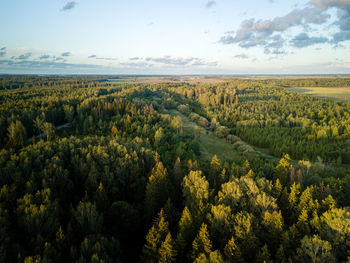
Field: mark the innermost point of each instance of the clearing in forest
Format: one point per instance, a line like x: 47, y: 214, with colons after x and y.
x: 211, y: 144
x: 208, y: 142
x: 337, y: 93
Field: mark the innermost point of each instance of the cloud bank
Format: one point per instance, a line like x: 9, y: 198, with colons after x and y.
x: 44, y: 57
x: 241, y: 56
x: 69, y: 6
x: 66, y: 54
x: 274, y: 34
x: 210, y: 4
x: 3, y: 52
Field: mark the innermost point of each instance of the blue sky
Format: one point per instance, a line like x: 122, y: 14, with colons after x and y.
x: 175, y: 37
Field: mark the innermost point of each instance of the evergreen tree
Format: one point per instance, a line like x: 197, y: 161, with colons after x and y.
x: 215, y: 168
x: 264, y: 255
x: 201, y: 243
x: 178, y: 174
x: 196, y: 193
x: 16, y: 134
x: 156, y: 236
x: 232, y: 252
x: 282, y: 170
x: 185, y: 234
x: 166, y: 251
x: 157, y: 190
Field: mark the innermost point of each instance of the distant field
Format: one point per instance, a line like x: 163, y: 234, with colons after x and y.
x: 338, y: 93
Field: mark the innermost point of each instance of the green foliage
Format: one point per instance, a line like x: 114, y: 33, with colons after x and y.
x: 202, y: 243
x: 282, y: 170
x: 157, y: 190
x: 314, y: 249
x: 264, y: 255
x: 88, y: 218
x: 196, y: 192
x: 176, y: 123
x: 159, y: 245
x: 185, y: 235
x: 105, y: 158
x: 166, y: 251
x: 16, y: 134
x: 220, y: 219
x: 232, y: 252
x: 123, y: 217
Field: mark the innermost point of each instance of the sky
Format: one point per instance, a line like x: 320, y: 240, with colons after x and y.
x: 175, y: 37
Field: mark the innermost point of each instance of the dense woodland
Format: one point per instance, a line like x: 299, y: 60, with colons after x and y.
x: 94, y: 171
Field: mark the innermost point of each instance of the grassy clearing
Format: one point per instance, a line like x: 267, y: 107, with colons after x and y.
x: 337, y: 93
x: 209, y: 143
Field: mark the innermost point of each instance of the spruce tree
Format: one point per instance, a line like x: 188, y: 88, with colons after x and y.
x: 202, y: 243
x: 166, y: 250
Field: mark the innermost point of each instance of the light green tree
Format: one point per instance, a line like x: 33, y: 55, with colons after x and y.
x: 49, y: 130
x: 196, y: 192
x: 315, y: 249
x: 16, y: 134
x: 176, y: 123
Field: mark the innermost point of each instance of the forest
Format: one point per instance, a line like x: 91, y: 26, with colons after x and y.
x: 242, y: 170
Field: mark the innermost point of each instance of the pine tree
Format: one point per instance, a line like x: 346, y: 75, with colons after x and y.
x: 215, y: 164
x: 282, y: 169
x: 264, y: 255
x: 185, y: 234
x: 150, y: 250
x: 166, y: 251
x: 49, y: 130
x: 38, y: 123
x: 196, y: 193
x: 215, y: 257
x: 16, y: 134
x: 277, y: 188
x: 155, y: 238
x: 158, y: 136
x: 157, y: 191
x: 293, y: 198
x: 214, y: 174
x: 202, y: 243
x: 178, y: 174
x: 232, y: 252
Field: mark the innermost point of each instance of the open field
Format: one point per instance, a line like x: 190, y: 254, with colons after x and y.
x: 338, y: 93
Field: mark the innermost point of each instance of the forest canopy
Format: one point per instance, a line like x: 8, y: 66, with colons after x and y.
x: 242, y: 170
